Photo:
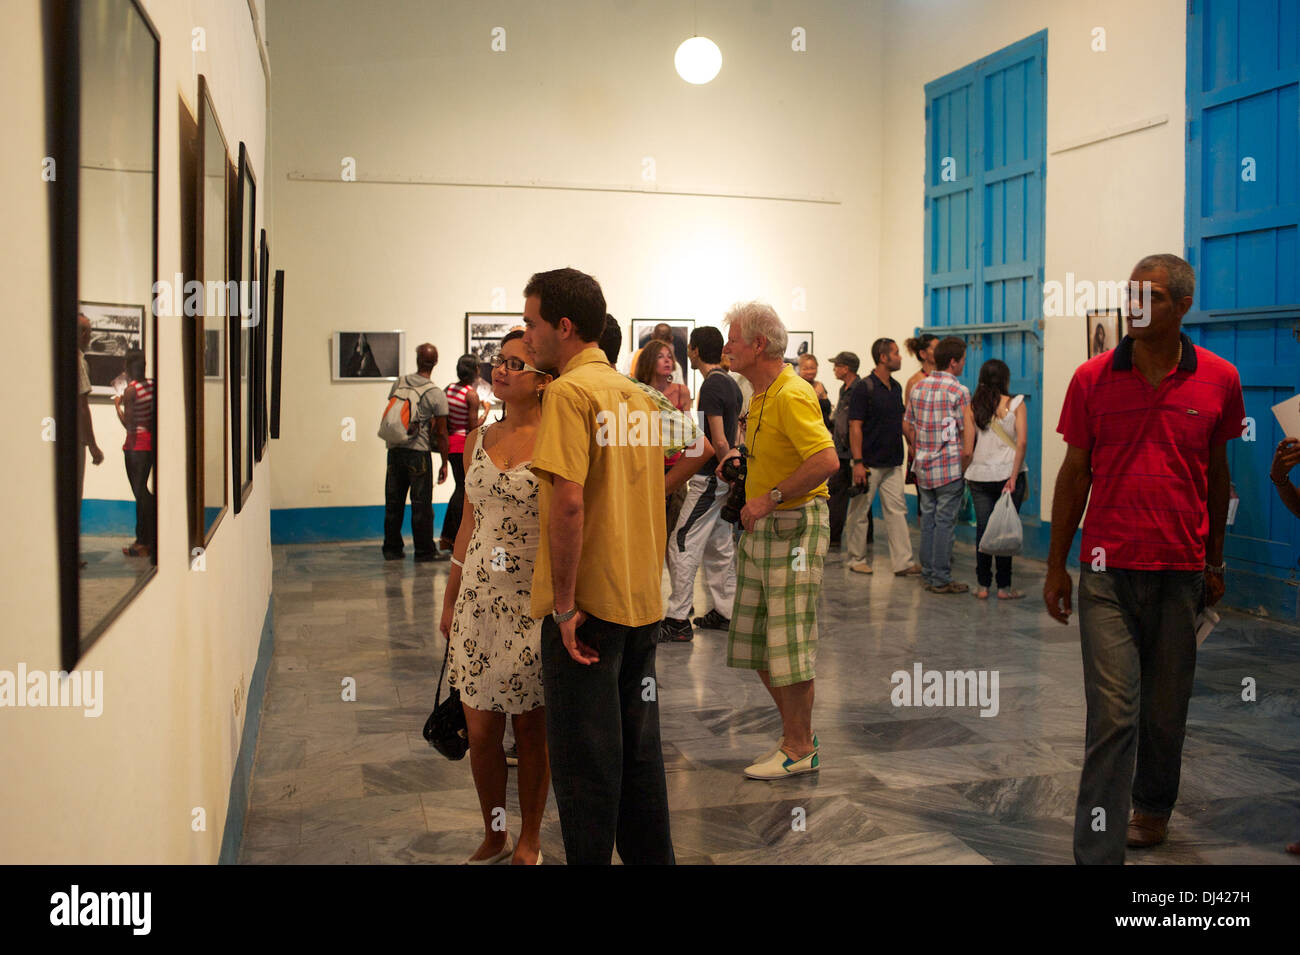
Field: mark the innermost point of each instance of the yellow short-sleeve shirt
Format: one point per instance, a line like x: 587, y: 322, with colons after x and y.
x: 600, y: 430
x: 784, y: 429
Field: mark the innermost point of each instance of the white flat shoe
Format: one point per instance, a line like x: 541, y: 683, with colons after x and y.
x: 780, y: 766
x: 505, y: 853
x: 776, y: 749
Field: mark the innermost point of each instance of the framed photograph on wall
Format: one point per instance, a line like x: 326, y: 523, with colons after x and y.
x: 368, y: 356
x: 114, y: 330
x: 1105, y: 328
x: 483, y: 334
x: 798, y: 344
x: 643, y: 328
x: 213, y: 352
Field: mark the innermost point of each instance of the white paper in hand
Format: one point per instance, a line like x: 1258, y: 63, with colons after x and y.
x: 1288, y: 416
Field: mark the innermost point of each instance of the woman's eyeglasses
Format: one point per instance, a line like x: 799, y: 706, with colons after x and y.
x: 514, y: 364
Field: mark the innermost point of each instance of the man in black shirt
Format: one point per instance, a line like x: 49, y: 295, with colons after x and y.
x: 876, y: 443
x: 701, y: 534
x: 845, y: 365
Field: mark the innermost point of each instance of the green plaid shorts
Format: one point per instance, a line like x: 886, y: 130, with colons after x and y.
x: 778, y: 580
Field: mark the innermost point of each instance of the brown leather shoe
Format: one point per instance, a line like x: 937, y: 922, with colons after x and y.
x: 1145, y: 831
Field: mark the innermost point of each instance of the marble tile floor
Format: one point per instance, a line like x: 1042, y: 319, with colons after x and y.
x: 355, y: 782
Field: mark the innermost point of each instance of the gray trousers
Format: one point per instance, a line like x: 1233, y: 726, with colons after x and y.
x: 1137, y: 631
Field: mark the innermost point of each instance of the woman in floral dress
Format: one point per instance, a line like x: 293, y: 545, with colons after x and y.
x: 494, y: 645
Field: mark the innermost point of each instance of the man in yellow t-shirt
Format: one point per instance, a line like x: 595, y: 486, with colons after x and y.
x: 789, y: 455
x: 600, y: 466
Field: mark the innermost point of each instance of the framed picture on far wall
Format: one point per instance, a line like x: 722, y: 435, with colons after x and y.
x: 1105, y: 329
x: 798, y: 344
x: 644, y: 328
x: 483, y: 334
x: 368, y: 356
x: 114, y: 330
x: 214, y: 341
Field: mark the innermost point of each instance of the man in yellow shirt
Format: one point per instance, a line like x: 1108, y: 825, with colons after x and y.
x: 789, y: 455
x: 600, y: 466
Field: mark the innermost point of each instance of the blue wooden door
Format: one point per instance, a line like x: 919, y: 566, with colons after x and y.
x: 986, y: 155
x: 1242, y: 219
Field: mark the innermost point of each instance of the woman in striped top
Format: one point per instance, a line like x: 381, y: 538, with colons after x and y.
x: 135, y: 409
x: 464, y: 413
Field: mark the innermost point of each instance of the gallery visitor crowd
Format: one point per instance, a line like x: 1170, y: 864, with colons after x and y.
x: 570, y: 515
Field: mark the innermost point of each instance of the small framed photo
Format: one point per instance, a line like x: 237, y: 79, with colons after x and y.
x: 368, y: 356
x: 483, y: 334
x: 798, y: 344
x: 214, y: 352
x: 1105, y: 329
x: 644, y: 328
x: 114, y: 330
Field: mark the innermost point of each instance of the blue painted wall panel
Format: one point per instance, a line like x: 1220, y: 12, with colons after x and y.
x: 984, y: 267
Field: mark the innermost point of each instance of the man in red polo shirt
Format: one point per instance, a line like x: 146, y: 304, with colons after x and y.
x: 1147, y: 425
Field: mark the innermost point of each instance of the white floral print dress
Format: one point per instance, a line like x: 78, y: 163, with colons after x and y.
x: 495, y: 649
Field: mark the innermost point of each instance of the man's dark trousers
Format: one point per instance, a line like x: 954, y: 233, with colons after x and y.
x: 602, y: 728
x: 409, y: 471
x: 839, y: 484
x: 1137, y: 631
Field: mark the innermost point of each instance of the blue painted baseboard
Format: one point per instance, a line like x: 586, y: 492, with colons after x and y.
x: 113, y: 518
x: 307, y: 525
x: 242, y: 778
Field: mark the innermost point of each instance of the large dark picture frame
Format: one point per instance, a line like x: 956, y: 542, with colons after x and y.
x: 277, y: 353
x: 64, y: 41
x: 240, y: 336
x: 200, y: 532
x: 259, y: 362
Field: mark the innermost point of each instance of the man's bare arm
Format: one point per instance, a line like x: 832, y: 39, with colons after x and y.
x: 565, y: 530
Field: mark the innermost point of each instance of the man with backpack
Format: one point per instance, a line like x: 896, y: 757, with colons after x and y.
x: 414, y: 422
x: 876, y: 445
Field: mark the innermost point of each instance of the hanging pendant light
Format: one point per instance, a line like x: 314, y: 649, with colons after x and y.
x: 698, y: 60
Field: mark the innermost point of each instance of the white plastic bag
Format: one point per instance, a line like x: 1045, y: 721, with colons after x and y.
x: 1003, y: 536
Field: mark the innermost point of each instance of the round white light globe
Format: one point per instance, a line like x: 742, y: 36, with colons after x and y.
x: 698, y: 60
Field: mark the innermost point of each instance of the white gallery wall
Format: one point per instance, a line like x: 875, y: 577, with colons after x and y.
x: 414, y: 92
x: 583, y: 95
x: 1107, y: 204
x: 123, y: 787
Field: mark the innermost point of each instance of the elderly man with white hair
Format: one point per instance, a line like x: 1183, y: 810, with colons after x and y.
x: 789, y: 454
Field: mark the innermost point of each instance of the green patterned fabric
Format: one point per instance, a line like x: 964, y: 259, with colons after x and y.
x: 676, y: 430
x: 778, y: 579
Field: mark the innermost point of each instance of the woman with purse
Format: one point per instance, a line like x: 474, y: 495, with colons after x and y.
x: 998, y: 465
x: 494, y: 645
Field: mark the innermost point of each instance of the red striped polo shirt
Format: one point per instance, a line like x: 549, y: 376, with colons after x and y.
x: 142, y: 440
x: 1150, y: 451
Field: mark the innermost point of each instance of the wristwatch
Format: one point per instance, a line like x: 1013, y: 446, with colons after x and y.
x: 855, y: 460
x: 776, y: 495
x: 1216, y: 570
x: 566, y: 616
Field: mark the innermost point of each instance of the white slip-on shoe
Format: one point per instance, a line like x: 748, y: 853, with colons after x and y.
x: 777, y: 748
x: 780, y: 766
x: 505, y: 853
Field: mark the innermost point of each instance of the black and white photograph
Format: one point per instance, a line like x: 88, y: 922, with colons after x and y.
x: 1105, y: 329
x: 483, y: 334
x: 644, y: 328
x: 798, y: 344
x: 114, y: 330
x: 368, y: 355
x: 213, y: 352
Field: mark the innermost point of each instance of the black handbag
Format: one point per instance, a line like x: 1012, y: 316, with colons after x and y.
x: 445, y: 728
